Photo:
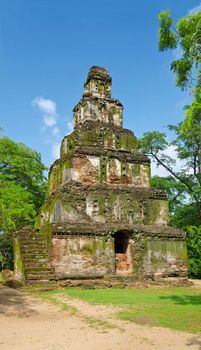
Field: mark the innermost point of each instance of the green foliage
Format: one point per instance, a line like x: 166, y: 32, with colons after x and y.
x: 6, y: 251
x: 16, y: 206
x: 167, y: 39
x: 183, y: 186
x: 185, y: 214
x: 22, y: 165
x: 186, y: 36
x: 22, y: 192
x: 187, y: 139
x: 194, y: 251
x: 187, y: 146
x: 174, y: 189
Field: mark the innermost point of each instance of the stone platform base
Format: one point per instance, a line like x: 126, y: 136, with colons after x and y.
x: 110, y: 282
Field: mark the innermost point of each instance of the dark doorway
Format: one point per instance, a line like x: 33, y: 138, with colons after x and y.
x: 122, y: 258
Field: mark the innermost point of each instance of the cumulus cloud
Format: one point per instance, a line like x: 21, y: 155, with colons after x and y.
x: 45, y: 105
x: 160, y: 170
x: 194, y: 9
x: 50, y: 118
x: 48, y: 109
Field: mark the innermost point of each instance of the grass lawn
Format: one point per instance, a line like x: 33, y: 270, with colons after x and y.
x: 177, y: 308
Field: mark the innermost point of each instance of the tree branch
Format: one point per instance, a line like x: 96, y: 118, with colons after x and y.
x: 172, y: 172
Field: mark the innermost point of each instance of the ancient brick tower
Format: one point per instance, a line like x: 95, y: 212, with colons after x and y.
x: 101, y: 216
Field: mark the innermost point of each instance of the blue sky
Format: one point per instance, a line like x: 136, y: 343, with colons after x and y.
x: 47, y: 47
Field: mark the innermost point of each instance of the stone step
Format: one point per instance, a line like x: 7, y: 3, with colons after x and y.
x: 33, y: 244
x: 43, y: 285
x: 35, y: 257
x: 38, y: 271
x: 34, y: 254
x: 36, y: 261
x: 37, y: 253
x: 34, y: 276
x: 28, y: 243
x: 31, y: 255
x: 33, y: 239
x: 35, y: 248
x: 36, y: 266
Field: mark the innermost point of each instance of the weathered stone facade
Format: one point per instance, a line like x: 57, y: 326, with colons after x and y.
x: 101, y: 217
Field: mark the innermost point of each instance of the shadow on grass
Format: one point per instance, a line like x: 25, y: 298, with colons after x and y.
x: 184, y: 299
x: 194, y: 341
x: 14, y: 303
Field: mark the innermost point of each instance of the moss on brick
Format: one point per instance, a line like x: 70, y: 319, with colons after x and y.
x: 18, y: 263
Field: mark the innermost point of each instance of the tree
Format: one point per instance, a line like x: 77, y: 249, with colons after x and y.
x: 16, y: 206
x: 22, y: 192
x: 175, y: 191
x: 182, y: 185
x: 186, y: 35
x: 194, y: 250
x: 6, y: 251
x: 22, y: 165
x: 187, y: 148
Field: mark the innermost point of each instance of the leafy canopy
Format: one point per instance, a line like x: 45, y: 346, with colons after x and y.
x: 186, y: 36
x: 22, y: 165
x: 22, y: 184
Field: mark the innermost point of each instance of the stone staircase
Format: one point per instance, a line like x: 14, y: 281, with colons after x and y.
x: 34, y: 252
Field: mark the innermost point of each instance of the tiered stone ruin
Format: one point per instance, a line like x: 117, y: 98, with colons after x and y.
x: 101, y: 216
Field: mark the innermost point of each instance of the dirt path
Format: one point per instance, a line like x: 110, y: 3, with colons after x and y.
x: 29, y: 324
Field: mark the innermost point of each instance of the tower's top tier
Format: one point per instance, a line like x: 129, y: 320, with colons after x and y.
x: 98, y: 83
x: 96, y: 104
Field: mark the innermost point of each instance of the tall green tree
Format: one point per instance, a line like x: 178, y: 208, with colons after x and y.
x: 186, y: 36
x: 183, y: 183
x: 22, y: 192
x: 22, y: 165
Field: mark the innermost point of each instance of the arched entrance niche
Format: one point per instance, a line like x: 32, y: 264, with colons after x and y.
x: 122, y: 246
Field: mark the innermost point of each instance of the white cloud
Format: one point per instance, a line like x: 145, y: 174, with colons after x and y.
x: 51, y: 130
x: 45, y: 105
x: 48, y: 109
x: 49, y: 120
x: 160, y: 170
x: 194, y: 9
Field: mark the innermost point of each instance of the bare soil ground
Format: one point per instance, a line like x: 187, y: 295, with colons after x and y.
x: 27, y: 323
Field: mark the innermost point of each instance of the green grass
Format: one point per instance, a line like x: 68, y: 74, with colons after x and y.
x: 177, y: 308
